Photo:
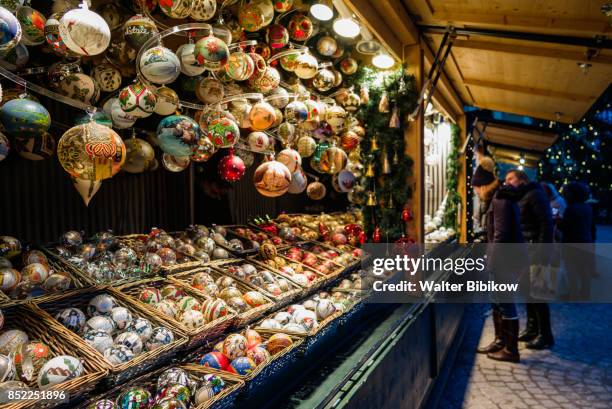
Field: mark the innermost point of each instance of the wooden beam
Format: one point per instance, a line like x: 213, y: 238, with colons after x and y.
x: 591, y: 26
x: 567, y: 119
x: 531, y: 51
x: 413, y: 138
x: 368, y: 15
x: 445, y: 86
x: 473, y: 82
x: 396, y: 16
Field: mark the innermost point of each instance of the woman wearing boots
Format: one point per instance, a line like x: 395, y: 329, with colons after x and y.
x: 502, y: 224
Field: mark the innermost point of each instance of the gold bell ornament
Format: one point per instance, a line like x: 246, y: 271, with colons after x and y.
x: 374, y: 144
x: 394, y: 122
x: 370, y: 170
x: 371, y: 201
x: 386, y: 165
x: 383, y: 105
x: 364, y: 94
x: 395, y: 157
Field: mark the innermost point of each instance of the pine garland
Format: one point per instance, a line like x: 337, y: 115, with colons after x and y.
x: 452, y: 179
x: 392, y: 191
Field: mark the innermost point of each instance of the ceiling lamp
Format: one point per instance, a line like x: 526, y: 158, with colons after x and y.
x: 347, y: 27
x: 322, y: 10
x: 383, y: 61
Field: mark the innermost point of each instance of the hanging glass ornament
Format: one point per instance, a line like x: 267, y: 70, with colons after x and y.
x: 210, y: 90
x: 137, y: 100
x: 231, y: 167
x: 267, y: 11
x: 247, y: 157
x: 278, y: 98
x: 290, y: 158
x: 357, y: 195
x: 324, y: 80
x: 300, y: 27
x: 349, y: 66
x: 203, y: 10
x: 370, y: 170
x: 260, y: 66
x: 80, y: 87
x: 53, y: 37
x: 289, y: 61
x: 86, y: 188
x: 269, y: 80
x: 327, y: 45
x: 351, y: 102
x: 189, y: 65
x: 175, y: 163
x: 355, y: 167
x: 336, y: 115
x: 25, y: 118
x: 386, y: 165
x: 139, y: 29
x: 306, y: 66
x: 251, y: 17
x: 84, y: 32
x: 160, y: 65
x: 120, y: 119
x: 11, y: 31
x: 337, y: 78
x: 364, y: 94
x: 395, y: 157
x: 203, y: 150
x: 177, y: 135
x: 223, y: 132
x: 139, y: 155
x: 211, y: 52
x: 32, y: 25
x: 349, y: 140
x: 167, y: 101
x: 107, y: 76
x: 371, y: 200
x: 176, y: 8
x: 239, y: 66
x: 374, y: 144
x: 91, y: 152
x: 299, y: 181
x: 316, y: 190
x: 315, y: 159
x: 296, y: 112
x: 333, y: 160
x: 277, y: 36
x: 272, y: 179
x: 262, y: 116
x: 286, y: 132
x: 258, y: 141
x: 283, y: 6
x: 346, y: 181
x: 383, y: 105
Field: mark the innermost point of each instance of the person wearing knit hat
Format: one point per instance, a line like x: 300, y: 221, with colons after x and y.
x: 502, y: 225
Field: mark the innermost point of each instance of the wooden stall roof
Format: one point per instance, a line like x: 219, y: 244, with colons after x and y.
x: 541, y: 79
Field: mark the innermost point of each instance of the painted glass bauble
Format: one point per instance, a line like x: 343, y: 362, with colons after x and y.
x: 349, y: 140
x: 239, y: 66
x: 240, y: 110
x: 289, y: 61
x: 223, y: 132
x: 333, y: 160
x: 282, y: 6
x: 278, y: 114
x: 177, y: 135
x: 258, y: 141
x: 120, y: 119
x: 327, y: 46
x: 296, y: 112
x: 231, y: 168
x: 269, y: 80
x: 313, y: 110
x: 5, y: 147
x: 351, y: 102
x: 137, y: 100
x: 139, y: 155
x: 349, y: 66
x: 259, y: 64
x: 234, y: 345
x: 101, y: 304
x: 58, y: 370
x: 251, y: 17
x: 72, y: 318
x: 286, y: 132
x: 38, y: 148
x: 337, y: 78
x: 277, y: 36
x: 336, y: 116
x: 272, y: 179
x: 203, y: 10
x: 242, y: 366
x: 32, y: 25
x: 53, y: 37
x: 189, y: 66
x: 174, y: 163
x: 11, y: 31
x: 211, y: 52
x: 81, y: 87
x: 290, y: 158
x: 11, y: 5
x: 210, y: 90
x: 134, y: 398
x: 139, y: 29
x: 112, y: 14
x: 159, y: 337
x: 300, y: 27
x: 167, y: 101
x: 204, y: 150
x: 306, y: 146
x: 299, y: 181
x: 160, y: 65
x: 315, y: 159
x: 346, y: 181
x: 262, y: 116
x: 267, y: 11
x: 316, y: 191
x: 176, y: 8
x: 118, y: 354
x: 84, y: 32
x: 324, y: 80
x: 107, y: 76
x: 16, y: 58
x: 25, y: 118
x: 98, y: 340
x: 278, y: 98
x: 306, y: 66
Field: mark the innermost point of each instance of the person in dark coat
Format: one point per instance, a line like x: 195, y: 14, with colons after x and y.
x: 537, y: 226
x: 578, y: 228
x: 502, y: 224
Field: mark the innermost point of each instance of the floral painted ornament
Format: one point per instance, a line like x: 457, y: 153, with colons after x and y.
x: 189, y: 66
x: 137, y: 100
x: 203, y: 10
x: 176, y: 8
x: 223, y: 132
x: 266, y: 82
x: 277, y: 36
x: 251, y: 17
x: 32, y: 26
x: 282, y: 6
x: 239, y: 66
x: 203, y: 151
x: 300, y: 27
x: 211, y: 52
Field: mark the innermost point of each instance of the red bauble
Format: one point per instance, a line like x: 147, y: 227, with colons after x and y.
x: 362, y: 237
x: 407, y: 215
x: 376, y: 235
x: 231, y: 168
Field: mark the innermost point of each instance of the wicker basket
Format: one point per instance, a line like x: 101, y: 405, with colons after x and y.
x: 118, y: 373
x: 134, y: 240
x: 264, y: 371
x: 283, y: 299
x: 28, y: 319
x: 224, y: 399
x: 241, y: 319
x: 197, y: 336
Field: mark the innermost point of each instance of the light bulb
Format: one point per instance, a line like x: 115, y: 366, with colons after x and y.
x: 383, y: 61
x: 322, y: 10
x: 346, y: 27
x: 522, y: 161
x: 520, y: 167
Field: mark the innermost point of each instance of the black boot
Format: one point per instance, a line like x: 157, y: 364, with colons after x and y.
x: 498, y: 342
x: 531, y: 329
x: 509, y: 353
x: 545, y: 339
